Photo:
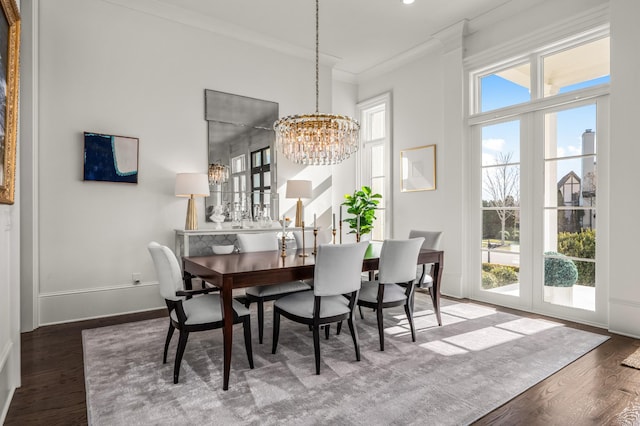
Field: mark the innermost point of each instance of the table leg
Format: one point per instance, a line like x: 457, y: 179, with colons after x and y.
x: 435, y: 290
x: 227, y: 331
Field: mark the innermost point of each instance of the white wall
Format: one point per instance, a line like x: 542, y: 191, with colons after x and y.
x: 624, y: 302
x: 115, y: 70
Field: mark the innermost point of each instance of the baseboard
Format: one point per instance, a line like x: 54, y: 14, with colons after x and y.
x: 624, y: 317
x: 7, y: 388
x: 78, y: 305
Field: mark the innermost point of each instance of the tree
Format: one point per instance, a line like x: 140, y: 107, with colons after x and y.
x: 502, y: 184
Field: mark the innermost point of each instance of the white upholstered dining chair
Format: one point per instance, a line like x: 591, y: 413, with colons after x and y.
x: 397, y: 266
x: 432, y: 240
x: 188, y: 313
x: 268, y: 241
x: 336, y: 275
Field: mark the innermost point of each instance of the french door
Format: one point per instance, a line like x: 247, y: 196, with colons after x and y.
x: 539, y: 180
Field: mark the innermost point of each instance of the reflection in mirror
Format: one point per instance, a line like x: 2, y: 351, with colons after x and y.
x: 242, y: 167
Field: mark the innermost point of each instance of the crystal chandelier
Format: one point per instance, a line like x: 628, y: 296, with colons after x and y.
x: 317, y: 139
x: 218, y: 173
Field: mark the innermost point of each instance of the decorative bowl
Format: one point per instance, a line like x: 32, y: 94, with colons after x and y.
x: 223, y: 249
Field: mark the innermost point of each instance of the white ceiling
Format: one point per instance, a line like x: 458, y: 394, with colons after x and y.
x: 355, y: 34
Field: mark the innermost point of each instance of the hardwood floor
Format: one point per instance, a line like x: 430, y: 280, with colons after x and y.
x: 595, y: 389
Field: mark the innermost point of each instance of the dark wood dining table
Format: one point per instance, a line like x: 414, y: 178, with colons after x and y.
x: 241, y: 270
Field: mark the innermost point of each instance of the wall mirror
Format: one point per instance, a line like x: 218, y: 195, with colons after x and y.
x: 242, y: 160
x: 418, y: 168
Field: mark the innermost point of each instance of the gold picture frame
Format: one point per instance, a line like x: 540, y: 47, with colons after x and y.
x: 418, y: 169
x: 9, y: 77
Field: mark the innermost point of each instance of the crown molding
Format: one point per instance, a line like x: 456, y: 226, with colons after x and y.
x: 222, y: 28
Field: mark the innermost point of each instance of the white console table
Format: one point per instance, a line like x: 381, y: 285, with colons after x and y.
x: 199, y: 241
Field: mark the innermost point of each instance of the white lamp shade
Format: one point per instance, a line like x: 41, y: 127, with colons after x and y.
x: 299, y: 189
x: 188, y: 184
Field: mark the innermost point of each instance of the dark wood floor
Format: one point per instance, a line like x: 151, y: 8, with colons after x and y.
x: 595, y: 389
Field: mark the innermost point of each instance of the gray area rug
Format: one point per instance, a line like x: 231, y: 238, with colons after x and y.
x: 478, y: 360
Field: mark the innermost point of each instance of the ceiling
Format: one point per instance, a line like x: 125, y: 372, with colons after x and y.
x: 355, y: 35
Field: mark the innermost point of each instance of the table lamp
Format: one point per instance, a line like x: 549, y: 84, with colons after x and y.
x: 192, y: 185
x: 299, y: 189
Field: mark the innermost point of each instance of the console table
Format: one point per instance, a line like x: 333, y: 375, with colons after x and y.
x: 199, y: 241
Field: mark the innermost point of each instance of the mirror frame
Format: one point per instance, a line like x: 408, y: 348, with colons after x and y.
x: 418, y: 169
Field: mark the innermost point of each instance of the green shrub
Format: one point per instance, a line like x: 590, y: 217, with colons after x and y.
x: 580, y: 244
x: 488, y: 280
x: 559, y: 271
x: 505, y: 274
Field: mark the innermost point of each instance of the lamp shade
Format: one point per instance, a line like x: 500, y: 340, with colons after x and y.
x: 188, y: 184
x: 299, y: 189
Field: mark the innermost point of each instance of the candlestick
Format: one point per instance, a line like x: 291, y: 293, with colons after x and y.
x: 333, y: 232
x: 303, y: 254
x: 315, y: 239
x: 283, y: 253
x: 341, y: 227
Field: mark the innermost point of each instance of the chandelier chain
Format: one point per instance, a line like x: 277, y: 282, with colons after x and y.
x: 317, y: 53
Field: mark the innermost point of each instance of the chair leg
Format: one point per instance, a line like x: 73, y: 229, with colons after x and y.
x: 246, y: 325
x: 326, y: 331
x: 260, y: 319
x: 276, y: 330
x: 436, y: 305
x: 166, y: 343
x: 408, y: 309
x: 182, y: 344
x: 380, y: 327
x: 338, y: 328
x: 360, y: 309
x: 316, y: 346
x: 354, y: 336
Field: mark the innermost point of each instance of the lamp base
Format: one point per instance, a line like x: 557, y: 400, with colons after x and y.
x: 299, y: 214
x: 192, y: 215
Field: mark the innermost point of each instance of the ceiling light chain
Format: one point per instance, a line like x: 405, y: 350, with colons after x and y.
x: 317, y: 139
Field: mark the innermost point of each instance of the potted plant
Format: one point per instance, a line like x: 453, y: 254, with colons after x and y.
x: 560, y: 274
x: 362, y: 205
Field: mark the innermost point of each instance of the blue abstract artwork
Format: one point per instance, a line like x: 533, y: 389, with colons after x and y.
x: 110, y: 158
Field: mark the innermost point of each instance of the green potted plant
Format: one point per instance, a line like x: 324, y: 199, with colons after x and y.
x: 560, y: 274
x: 362, y: 205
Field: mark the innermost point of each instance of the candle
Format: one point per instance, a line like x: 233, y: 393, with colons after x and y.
x: 334, y: 221
x: 314, y: 221
x: 358, y: 224
x: 283, y: 224
x: 340, y: 213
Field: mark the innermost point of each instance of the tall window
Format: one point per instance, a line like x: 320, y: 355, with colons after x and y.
x: 536, y: 123
x: 261, y: 180
x: 375, y: 158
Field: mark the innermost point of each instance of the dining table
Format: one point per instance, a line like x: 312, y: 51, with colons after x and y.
x: 240, y: 270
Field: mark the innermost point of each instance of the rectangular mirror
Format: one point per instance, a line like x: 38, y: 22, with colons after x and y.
x: 241, y: 146
x: 418, y: 168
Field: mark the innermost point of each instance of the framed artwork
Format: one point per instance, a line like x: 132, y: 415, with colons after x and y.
x: 418, y: 168
x: 110, y: 158
x: 9, y: 78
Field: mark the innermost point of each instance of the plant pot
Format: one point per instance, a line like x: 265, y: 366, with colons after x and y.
x: 558, y: 295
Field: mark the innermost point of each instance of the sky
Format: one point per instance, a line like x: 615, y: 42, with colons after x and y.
x: 505, y: 137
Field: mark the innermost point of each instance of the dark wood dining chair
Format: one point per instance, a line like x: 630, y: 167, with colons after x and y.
x: 397, y: 266
x: 432, y: 240
x: 187, y: 313
x: 259, y: 294
x: 336, y: 275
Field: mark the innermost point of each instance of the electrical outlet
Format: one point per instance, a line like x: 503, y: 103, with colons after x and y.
x: 136, y: 277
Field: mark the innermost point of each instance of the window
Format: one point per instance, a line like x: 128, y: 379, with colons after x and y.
x: 375, y: 158
x: 261, y: 180
x: 539, y: 163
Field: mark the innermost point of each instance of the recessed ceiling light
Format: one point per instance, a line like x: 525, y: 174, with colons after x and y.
x: 408, y: 1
